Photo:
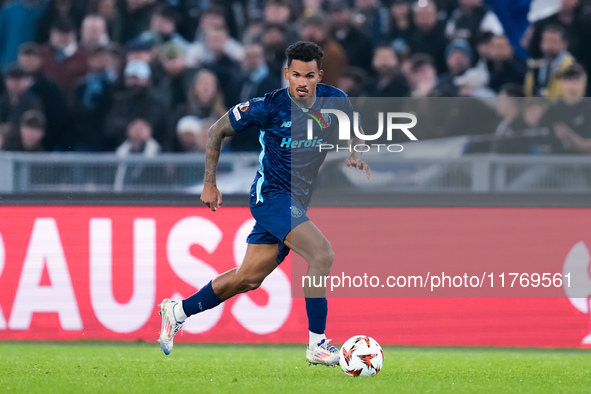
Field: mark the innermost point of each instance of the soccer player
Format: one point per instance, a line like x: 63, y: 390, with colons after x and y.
x: 279, y: 199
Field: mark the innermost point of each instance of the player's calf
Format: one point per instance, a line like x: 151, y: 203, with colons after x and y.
x: 247, y: 283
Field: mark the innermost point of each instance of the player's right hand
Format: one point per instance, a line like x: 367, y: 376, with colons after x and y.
x: 211, y: 196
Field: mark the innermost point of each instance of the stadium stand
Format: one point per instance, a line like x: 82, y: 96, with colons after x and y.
x: 89, y: 70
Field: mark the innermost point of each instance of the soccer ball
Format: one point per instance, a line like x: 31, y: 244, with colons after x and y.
x: 361, y: 356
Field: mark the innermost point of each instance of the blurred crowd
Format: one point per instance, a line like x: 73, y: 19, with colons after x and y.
x: 150, y: 76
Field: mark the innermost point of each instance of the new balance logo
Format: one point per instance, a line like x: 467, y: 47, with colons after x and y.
x: 286, y: 124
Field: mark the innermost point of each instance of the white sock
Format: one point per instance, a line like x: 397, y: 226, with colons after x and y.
x: 179, y: 312
x: 315, y: 339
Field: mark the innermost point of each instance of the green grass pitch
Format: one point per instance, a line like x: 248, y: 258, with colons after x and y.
x: 111, y: 367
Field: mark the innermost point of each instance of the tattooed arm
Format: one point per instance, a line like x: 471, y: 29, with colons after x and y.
x: 221, y: 129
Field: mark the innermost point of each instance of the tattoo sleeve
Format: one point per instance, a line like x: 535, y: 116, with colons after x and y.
x: 220, y: 129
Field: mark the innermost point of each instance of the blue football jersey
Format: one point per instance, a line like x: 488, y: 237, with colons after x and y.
x: 289, y: 160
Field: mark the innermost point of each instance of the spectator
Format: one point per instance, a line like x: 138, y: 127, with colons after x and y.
x: 569, y: 122
x: 225, y: 67
x: 138, y: 100
x: 421, y: 75
x: 253, y: 32
x: 373, y: 19
x: 190, y: 13
x: 534, y: 109
x: 70, y: 10
x: 213, y: 20
x: 315, y: 28
x: 176, y: 76
x: 465, y: 21
x: 389, y: 82
x: 145, y: 48
x: 352, y: 82
x: 136, y: 17
x: 93, y: 33
x: 93, y: 98
x: 422, y: 79
x: 204, y: 100
x: 400, y: 22
x: 507, y: 134
x: 483, y: 50
x: 29, y: 135
x: 357, y: 46
x: 458, y: 58
x: 205, y: 96
x: 473, y: 83
x: 115, y: 62
x: 445, y: 8
x: 52, y: 99
x: 280, y: 12
x: 108, y: 10
x: 503, y: 66
x: 164, y: 25
x: 142, y: 48
x: 427, y: 35
x: 17, y: 99
x: 577, y: 28
x: 201, y: 15
x: 63, y: 60
x: 192, y: 134
x: 256, y: 80
x: 542, y: 75
x: 18, y: 24
x: 274, y: 41
x: 138, y: 141
x: 570, y: 117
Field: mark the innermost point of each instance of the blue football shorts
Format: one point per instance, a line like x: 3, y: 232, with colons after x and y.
x: 275, y: 217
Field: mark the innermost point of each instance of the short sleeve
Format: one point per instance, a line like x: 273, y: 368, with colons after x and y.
x: 248, y: 114
x: 344, y: 104
x: 347, y: 107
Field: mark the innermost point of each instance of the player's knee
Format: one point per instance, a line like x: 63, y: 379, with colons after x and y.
x: 324, y: 259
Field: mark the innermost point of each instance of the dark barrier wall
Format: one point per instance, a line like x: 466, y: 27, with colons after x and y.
x: 324, y: 198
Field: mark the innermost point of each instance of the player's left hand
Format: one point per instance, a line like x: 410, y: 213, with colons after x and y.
x: 356, y: 162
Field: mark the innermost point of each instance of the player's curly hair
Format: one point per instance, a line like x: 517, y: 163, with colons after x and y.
x: 304, y: 51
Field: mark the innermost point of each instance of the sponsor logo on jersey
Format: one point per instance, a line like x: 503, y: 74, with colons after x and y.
x: 288, y: 142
